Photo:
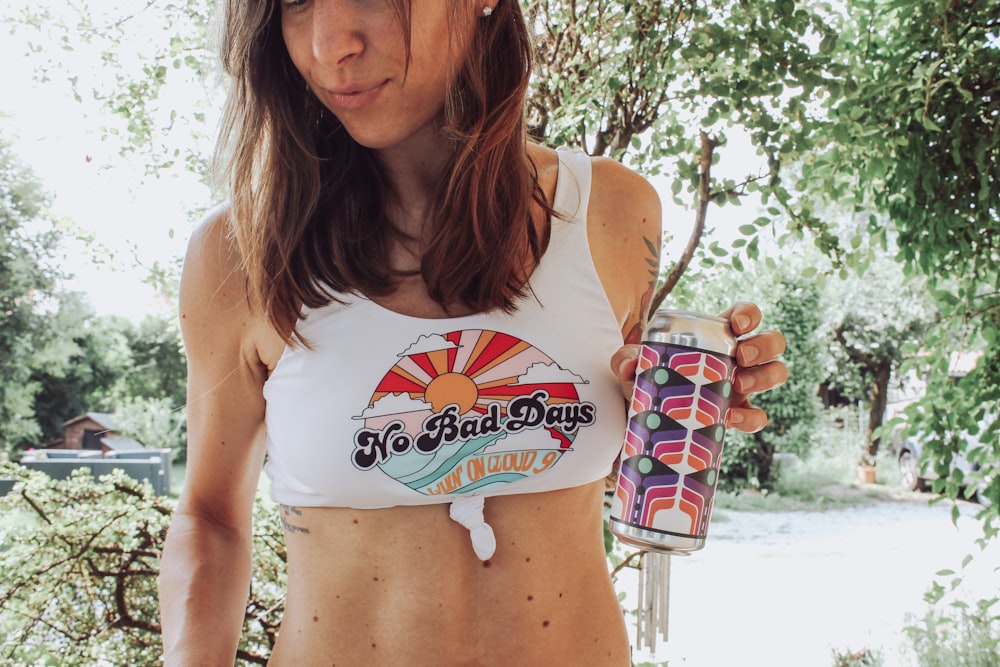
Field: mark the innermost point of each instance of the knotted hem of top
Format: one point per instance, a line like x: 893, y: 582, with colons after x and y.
x: 468, y: 511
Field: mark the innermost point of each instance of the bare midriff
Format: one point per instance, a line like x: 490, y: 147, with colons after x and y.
x: 402, y: 586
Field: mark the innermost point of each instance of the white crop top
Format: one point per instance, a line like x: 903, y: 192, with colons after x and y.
x: 388, y: 409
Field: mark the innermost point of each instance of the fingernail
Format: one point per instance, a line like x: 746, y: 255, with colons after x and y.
x: 742, y: 322
x: 749, y: 353
x: 627, y: 358
x: 746, y: 383
x: 735, y: 417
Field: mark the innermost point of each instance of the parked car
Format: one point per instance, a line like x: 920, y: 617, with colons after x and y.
x: 915, y: 475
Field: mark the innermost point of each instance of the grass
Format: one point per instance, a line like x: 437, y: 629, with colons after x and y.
x: 827, y: 478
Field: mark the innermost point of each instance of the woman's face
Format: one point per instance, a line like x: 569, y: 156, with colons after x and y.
x: 353, y: 57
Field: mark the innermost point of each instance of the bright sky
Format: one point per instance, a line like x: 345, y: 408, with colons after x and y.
x: 139, y: 221
x: 136, y: 222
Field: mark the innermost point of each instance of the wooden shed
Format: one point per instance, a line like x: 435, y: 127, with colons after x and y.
x: 94, y: 431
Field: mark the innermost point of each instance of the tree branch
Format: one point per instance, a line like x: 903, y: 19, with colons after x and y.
x: 125, y: 19
x: 626, y: 563
x: 708, y: 146
x: 38, y: 510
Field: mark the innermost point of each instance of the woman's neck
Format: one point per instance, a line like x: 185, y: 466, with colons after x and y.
x: 413, y: 171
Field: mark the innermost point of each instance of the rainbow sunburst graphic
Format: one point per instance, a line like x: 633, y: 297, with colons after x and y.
x: 473, y: 376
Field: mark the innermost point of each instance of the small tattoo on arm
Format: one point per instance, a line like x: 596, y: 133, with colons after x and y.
x: 288, y: 515
x: 653, y: 261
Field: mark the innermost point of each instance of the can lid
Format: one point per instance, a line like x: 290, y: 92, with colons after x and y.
x: 691, y: 329
x: 672, y: 312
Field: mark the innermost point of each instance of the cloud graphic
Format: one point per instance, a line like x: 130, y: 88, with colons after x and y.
x: 431, y: 343
x: 394, y: 404
x: 540, y: 373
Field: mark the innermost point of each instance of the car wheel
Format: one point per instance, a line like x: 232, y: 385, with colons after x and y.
x: 909, y: 476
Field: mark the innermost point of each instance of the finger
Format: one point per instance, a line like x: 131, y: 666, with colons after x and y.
x: 760, y: 348
x: 747, y: 419
x: 743, y: 317
x: 623, y: 364
x: 760, y: 378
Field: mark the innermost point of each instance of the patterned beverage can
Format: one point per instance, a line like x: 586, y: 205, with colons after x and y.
x: 676, y: 424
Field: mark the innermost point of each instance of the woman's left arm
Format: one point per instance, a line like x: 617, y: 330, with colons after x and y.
x: 624, y: 227
x: 624, y: 224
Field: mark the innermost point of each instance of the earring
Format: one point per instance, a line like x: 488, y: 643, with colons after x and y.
x: 487, y: 10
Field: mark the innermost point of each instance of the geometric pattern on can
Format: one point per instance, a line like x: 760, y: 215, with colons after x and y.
x: 673, y: 445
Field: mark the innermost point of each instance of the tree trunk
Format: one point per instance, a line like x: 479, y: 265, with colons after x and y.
x: 880, y: 388
x: 763, y: 459
x: 708, y: 146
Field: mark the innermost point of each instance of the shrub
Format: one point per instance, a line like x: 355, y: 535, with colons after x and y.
x: 864, y: 658
x: 959, y: 636
x: 78, y: 566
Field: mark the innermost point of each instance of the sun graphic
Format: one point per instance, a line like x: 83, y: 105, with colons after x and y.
x: 471, y: 369
x: 452, y: 388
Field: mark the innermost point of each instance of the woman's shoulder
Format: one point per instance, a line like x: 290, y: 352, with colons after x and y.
x: 612, y: 183
x: 624, y: 227
x: 212, y: 264
x: 215, y: 307
x: 616, y: 189
x: 624, y: 214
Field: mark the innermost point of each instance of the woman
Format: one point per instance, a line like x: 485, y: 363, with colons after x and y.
x: 419, y: 316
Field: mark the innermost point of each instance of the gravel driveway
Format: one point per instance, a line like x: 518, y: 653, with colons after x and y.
x: 787, y: 589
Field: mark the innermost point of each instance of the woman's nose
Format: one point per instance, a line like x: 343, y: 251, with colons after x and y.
x: 337, y: 35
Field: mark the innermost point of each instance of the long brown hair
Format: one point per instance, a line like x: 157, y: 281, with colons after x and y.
x: 308, y: 211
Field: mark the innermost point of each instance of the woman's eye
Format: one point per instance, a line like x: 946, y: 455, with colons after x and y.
x: 293, y: 4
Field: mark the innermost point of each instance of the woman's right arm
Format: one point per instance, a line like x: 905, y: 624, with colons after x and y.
x: 205, y: 569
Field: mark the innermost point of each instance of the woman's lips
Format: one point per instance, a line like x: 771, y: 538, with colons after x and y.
x: 355, y: 97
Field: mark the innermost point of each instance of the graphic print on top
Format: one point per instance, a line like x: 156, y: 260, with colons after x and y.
x: 469, y: 410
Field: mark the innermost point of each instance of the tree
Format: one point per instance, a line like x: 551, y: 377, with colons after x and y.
x: 57, y: 360
x: 875, y: 319
x: 78, y: 565
x: 87, y: 358
x: 657, y: 84
x: 651, y: 83
x: 793, y: 409
x: 28, y: 274
x: 159, y: 368
x: 915, y: 133
x: 154, y: 422
x: 149, y: 400
x: 143, y: 70
x: 109, y: 364
x: 795, y: 308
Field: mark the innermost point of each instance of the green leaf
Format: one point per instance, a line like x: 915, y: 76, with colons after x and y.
x: 929, y: 124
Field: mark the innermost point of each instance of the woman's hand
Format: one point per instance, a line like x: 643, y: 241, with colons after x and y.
x: 757, y: 366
